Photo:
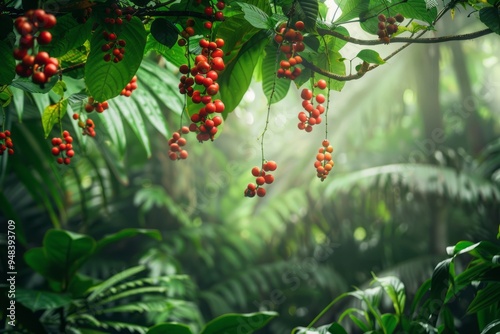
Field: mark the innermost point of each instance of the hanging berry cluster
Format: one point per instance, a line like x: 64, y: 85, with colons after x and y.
x: 114, y: 48
x: 324, y: 162
x: 92, y: 105
x: 291, y: 42
x: 6, y: 143
x: 130, y: 87
x: 387, y: 26
x: 200, y: 83
x: 176, y: 144
x: 187, y: 32
x: 63, y: 150
x: 312, y: 114
x: 33, y: 27
x: 213, y: 14
x: 261, y: 178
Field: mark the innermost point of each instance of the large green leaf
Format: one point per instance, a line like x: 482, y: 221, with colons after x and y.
x: 41, y: 300
x: 271, y: 84
x: 310, y: 9
x: 395, y: 289
x: 67, y: 35
x: 485, y: 297
x: 236, y: 78
x: 370, y: 56
x: 53, y: 114
x: 255, y: 16
x: 170, y: 328
x: 238, y: 323
x: 490, y: 16
x: 61, y: 255
x: 105, y: 80
x: 492, y: 328
x: 113, y: 125
x: 7, y: 69
x: 415, y: 9
x: 330, y: 59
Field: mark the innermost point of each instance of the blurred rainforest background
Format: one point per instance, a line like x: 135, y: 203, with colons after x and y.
x: 417, y: 168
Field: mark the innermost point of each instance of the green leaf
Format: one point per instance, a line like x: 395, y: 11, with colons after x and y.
x: 151, y: 110
x: 485, y: 297
x: 6, y: 26
x: 415, y: 9
x: 390, y: 322
x: 490, y: 16
x: 395, y: 289
x: 238, y: 323
x: 440, y: 279
x: 28, y: 85
x: 370, y: 56
x: 127, y: 233
x: 270, y: 83
x: 336, y: 328
x: 41, y: 300
x: 351, y: 9
x: 59, y: 88
x: 492, y: 328
x: 113, y: 125
x: 236, y: 78
x: 310, y: 9
x: 106, y: 80
x: 255, y: 16
x: 330, y: 59
x: 5, y: 96
x: 67, y: 35
x: 165, y: 32
x: 8, y: 68
x: 132, y: 116
x: 113, y: 280
x: 170, y: 328
x: 62, y: 254
x: 52, y: 115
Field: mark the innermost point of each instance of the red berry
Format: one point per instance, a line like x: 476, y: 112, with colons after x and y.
x: 255, y: 171
x: 261, y: 192
x: 321, y: 84
x: 44, y: 37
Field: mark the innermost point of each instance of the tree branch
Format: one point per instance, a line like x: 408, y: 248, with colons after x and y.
x: 417, y: 40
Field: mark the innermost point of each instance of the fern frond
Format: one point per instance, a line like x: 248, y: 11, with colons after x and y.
x: 110, y: 282
x: 133, y: 292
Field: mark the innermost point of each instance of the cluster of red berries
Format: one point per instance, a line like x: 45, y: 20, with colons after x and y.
x: 6, y: 143
x: 88, y: 126
x: 291, y: 42
x: 114, y: 48
x: 176, y: 143
x: 214, y: 14
x: 324, y: 162
x: 261, y: 178
x: 203, y: 76
x: 92, y: 105
x: 63, y: 150
x: 388, y: 26
x: 34, y: 26
x: 130, y: 87
x: 312, y: 114
x: 187, y: 32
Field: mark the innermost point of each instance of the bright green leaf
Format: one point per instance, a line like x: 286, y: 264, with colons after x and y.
x: 52, y: 115
x: 370, y: 56
x: 255, y: 16
x: 67, y: 35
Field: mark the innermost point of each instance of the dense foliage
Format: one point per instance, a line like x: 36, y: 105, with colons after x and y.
x: 99, y: 98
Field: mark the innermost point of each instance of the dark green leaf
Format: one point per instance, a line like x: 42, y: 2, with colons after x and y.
x: 6, y: 26
x: 330, y: 59
x: 151, y: 110
x: 127, y: 233
x: 485, y: 297
x: 310, y: 10
x: 448, y: 320
x: 170, y: 328
x: 106, y: 80
x: 336, y: 328
x: 165, y: 32
x: 238, y: 323
x: 67, y: 35
x: 62, y: 254
x: 113, y: 280
x: 440, y: 280
x: 41, y: 300
x: 271, y: 84
x: 415, y: 9
x: 52, y: 115
x: 255, y: 16
x: 490, y: 16
x: 5, y: 96
x: 370, y: 56
x: 7, y: 69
